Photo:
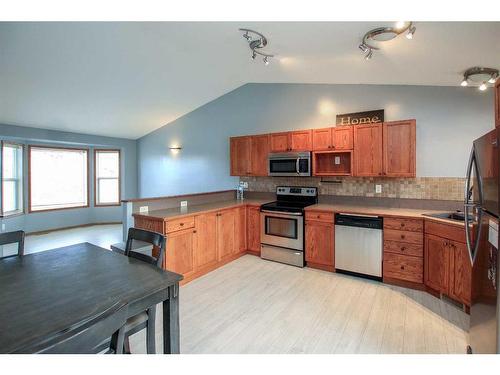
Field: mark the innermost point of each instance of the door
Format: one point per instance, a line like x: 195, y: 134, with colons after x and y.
x: 368, y: 150
x: 259, y: 154
x: 460, y: 273
x: 179, y: 253
x: 399, y: 138
x: 205, y: 240
x: 240, y: 156
x: 253, y: 229
x: 226, y: 243
x: 342, y: 138
x: 240, y: 230
x: 322, y: 139
x: 319, y: 243
x: 436, y: 265
x: 279, y: 142
x: 301, y: 140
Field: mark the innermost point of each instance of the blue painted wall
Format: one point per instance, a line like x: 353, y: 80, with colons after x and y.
x: 448, y: 119
x: 40, y: 221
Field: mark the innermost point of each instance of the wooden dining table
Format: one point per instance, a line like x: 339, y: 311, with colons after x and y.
x: 42, y: 295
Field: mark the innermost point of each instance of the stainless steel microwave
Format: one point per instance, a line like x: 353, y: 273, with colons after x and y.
x: 289, y: 164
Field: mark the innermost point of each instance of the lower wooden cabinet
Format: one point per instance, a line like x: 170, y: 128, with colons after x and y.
x: 226, y: 241
x: 253, y: 229
x: 403, y: 267
x: 319, y: 249
x: 436, y: 263
x: 205, y: 249
x: 461, y: 277
x: 180, y: 250
x: 240, y: 230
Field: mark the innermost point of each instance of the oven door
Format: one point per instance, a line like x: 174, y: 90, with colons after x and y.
x: 282, y: 229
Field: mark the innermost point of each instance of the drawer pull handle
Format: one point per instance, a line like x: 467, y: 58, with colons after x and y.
x: 181, y: 224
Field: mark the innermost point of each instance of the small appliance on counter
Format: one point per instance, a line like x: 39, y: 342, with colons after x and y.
x: 282, y: 224
x: 289, y: 164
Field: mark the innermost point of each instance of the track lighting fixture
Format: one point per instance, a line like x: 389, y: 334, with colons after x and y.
x: 383, y: 34
x: 257, y: 41
x: 479, y: 77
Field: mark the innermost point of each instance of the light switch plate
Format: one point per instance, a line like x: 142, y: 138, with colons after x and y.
x: 378, y: 189
x: 143, y: 209
x: 184, y: 203
x: 337, y: 160
x: 244, y: 184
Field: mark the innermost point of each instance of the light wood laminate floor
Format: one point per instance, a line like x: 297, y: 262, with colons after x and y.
x: 256, y: 306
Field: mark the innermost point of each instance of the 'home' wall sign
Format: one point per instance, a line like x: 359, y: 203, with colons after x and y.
x: 361, y: 118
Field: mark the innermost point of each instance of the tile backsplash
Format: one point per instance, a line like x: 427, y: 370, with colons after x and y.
x: 441, y: 188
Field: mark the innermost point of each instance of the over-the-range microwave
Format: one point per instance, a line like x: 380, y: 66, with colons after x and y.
x: 289, y: 164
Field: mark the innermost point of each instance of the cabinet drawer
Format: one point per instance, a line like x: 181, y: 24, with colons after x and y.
x: 179, y: 224
x: 404, y: 248
x: 451, y: 232
x: 403, y: 236
x: 324, y: 216
x: 411, y: 225
x: 403, y: 267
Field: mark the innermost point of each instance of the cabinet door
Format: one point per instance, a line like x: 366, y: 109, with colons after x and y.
x: 205, y: 240
x: 460, y: 273
x: 322, y: 139
x: 241, y: 230
x: 497, y: 103
x: 226, y: 243
x: 279, y: 142
x: 301, y: 140
x: 259, y: 154
x: 319, y: 243
x: 240, y: 156
x: 179, y: 253
x: 399, y: 148
x: 253, y: 229
x: 436, y: 270
x: 368, y: 150
x: 343, y: 138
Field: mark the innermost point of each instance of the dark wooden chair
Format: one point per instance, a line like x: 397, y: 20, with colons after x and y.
x: 85, y: 337
x: 147, y: 318
x: 13, y: 237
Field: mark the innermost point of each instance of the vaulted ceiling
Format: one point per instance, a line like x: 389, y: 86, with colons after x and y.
x: 126, y: 79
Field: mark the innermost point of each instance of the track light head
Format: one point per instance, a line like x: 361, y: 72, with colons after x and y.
x: 410, y: 33
x: 363, y: 47
x: 254, y: 55
x: 369, y: 55
x: 266, y: 60
x: 464, y: 83
x: 492, y: 79
x: 483, y: 87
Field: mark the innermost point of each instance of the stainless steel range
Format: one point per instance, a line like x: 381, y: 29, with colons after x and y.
x: 282, y: 224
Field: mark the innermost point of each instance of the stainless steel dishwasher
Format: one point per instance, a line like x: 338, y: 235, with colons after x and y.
x: 358, y: 245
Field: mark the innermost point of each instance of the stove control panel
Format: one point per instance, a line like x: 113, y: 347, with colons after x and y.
x: 297, y: 190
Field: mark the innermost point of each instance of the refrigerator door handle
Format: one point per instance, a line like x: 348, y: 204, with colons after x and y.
x: 470, y: 206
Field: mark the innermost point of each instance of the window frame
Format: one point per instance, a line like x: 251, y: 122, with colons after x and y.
x: 20, y: 179
x: 109, y: 150
x: 87, y: 150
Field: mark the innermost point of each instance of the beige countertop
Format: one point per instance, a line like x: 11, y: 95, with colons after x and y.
x: 178, y: 212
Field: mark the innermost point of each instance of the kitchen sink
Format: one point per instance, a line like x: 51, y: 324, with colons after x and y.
x: 455, y: 215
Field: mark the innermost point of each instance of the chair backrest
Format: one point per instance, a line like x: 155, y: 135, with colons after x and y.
x: 13, y: 237
x: 156, y: 239
x: 84, y: 337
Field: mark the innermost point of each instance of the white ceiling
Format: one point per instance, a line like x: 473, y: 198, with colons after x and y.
x: 127, y: 79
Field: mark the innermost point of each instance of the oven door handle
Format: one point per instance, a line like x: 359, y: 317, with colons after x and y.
x: 282, y: 213
x: 297, y: 166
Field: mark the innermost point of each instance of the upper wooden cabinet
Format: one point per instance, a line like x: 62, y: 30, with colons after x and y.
x: 497, y: 103
x: 399, y: 139
x: 259, y: 153
x: 368, y: 150
x: 239, y: 150
x: 300, y: 140
x: 327, y: 139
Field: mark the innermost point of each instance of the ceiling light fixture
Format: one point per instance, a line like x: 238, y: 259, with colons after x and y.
x: 256, y: 41
x: 384, y: 34
x: 479, y: 77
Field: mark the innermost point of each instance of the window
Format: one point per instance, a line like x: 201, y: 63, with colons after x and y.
x: 58, y: 178
x: 107, y: 177
x: 12, y: 178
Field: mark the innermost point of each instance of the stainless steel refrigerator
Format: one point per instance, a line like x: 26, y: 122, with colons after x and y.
x: 482, y: 217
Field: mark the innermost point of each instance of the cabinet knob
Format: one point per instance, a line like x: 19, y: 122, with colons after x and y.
x: 403, y: 236
x: 194, y: 231
x: 403, y: 248
x: 402, y: 267
x: 333, y: 147
x: 181, y: 224
x: 402, y: 224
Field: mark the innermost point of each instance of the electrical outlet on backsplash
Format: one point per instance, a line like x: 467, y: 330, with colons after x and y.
x: 441, y: 188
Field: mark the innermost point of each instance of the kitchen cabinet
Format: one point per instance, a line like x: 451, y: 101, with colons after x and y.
x: 259, y: 154
x: 240, y: 160
x: 337, y: 138
x: 253, y: 229
x: 300, y: 140
x: 240, y: 230
x: 436, y: 263
x: 399, y: 148
x: 497, y: 103
x: 319, y: 240
x: 226, y: 241
x: 179, y: 254
x: 461, y: 277
x: 205, y: 239
x: 332, y: 163
x: 368, y: 150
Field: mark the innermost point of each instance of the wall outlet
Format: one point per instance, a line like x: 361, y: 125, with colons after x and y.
x: 184, y: 203
x: 378, y: 189
x: 337, y: 160
x: 143, y: 209
x: 244, y: 184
